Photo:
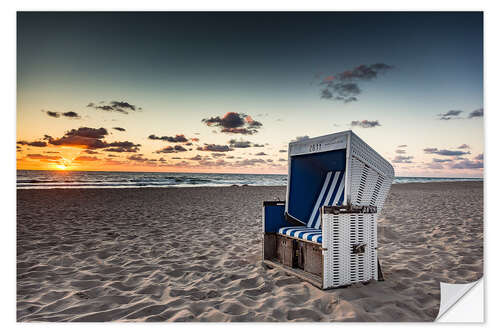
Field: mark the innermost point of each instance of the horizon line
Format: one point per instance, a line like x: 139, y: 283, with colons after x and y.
x: 224, y: 173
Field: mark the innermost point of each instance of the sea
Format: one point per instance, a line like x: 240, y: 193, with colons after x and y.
x: 36, y: 179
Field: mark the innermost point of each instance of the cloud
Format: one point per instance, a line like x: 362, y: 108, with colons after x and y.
x: 476, y: 113
x: 234, y: 123
x: 89, y: 151
x: 71, y: 114
x: 114, y: 106
x: 345, y: 92
x: 123, y: 146
x: 218, y: 162
x: 364, y: 72
x: 214, y: 147
x: 463, y: 146
x: 86, y: 158
x: 218, y: 154
x: 249, y: 162
x: 445, y: 152
x: 239, y: 144
x: 110, y: 161
x: 402, y: 159
x: 452, y: 114
x: 365, y: 123
x: 78, y: 141
x: 283, y: 150
x: 468, y: 164
x: 282, y: 160
x: 52, y: 114
x: 326, y: 94
x: 260, y: 154
x: 400, y: 151
x: 402, y: 146
x: 45, y: 158
x: 121, y: 129
x: 479, y: 157
x: 143, y: 160
x: 439, y: 160
x: 198, y: 157
x: 95, y: 133
x: 123, y: 105
x: 32, y: 143
x: 91, y: 138
x: 252, y: 123
x: 171, y: 149
x: 176, y: 138
x: 137, y: 158
x: 344, y: 86
x: 243, y: 131
x: 257, y: 145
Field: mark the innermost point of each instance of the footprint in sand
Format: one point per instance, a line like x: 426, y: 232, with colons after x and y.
x: 82, y: 295
x: 305, y: 314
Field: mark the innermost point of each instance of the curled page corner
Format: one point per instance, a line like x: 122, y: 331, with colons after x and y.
x: 452, y: 294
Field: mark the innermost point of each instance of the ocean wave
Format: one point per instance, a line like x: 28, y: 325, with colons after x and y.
x: 91, y: 179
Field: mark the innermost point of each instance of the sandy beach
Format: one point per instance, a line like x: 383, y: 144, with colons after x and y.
x: 194, y: 254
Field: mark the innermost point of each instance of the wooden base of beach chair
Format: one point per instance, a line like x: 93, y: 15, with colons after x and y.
x: 299, y: 258
x: 313, y: 279
x: 347, y: 254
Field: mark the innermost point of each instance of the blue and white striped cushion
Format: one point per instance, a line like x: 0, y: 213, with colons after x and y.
x: 332, y: 193
x: 310, y: 234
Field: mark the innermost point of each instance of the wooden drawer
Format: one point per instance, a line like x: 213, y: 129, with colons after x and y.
x: 285, y: 250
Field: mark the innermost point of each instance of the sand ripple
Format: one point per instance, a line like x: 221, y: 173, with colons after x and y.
x: 194, y: 255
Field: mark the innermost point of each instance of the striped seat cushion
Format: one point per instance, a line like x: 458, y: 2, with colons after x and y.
x: 332, y: 193
x: 310, y: 234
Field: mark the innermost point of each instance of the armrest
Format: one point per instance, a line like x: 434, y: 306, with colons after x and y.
x: 273, y: 203
x: 273, y: 215
x: 349, y: 209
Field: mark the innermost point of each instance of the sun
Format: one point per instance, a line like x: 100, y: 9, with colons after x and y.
x: 62, y: 167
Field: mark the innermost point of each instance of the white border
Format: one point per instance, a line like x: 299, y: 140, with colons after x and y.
x: 8, y: 78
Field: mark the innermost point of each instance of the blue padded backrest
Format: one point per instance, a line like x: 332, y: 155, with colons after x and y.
x: 307, y: 177
x: 332, y: 193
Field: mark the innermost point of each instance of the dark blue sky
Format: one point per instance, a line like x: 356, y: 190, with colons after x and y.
x: 244, y: 43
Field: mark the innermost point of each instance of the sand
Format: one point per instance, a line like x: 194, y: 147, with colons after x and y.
x: 194, y: 254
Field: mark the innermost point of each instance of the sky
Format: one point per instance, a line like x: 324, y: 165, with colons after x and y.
x: 227, y: 92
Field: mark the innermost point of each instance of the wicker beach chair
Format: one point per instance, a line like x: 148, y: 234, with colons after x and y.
x: 326, y: 230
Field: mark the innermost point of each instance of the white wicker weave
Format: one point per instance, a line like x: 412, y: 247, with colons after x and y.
x: 341, y: 232
x: 369, y: 175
